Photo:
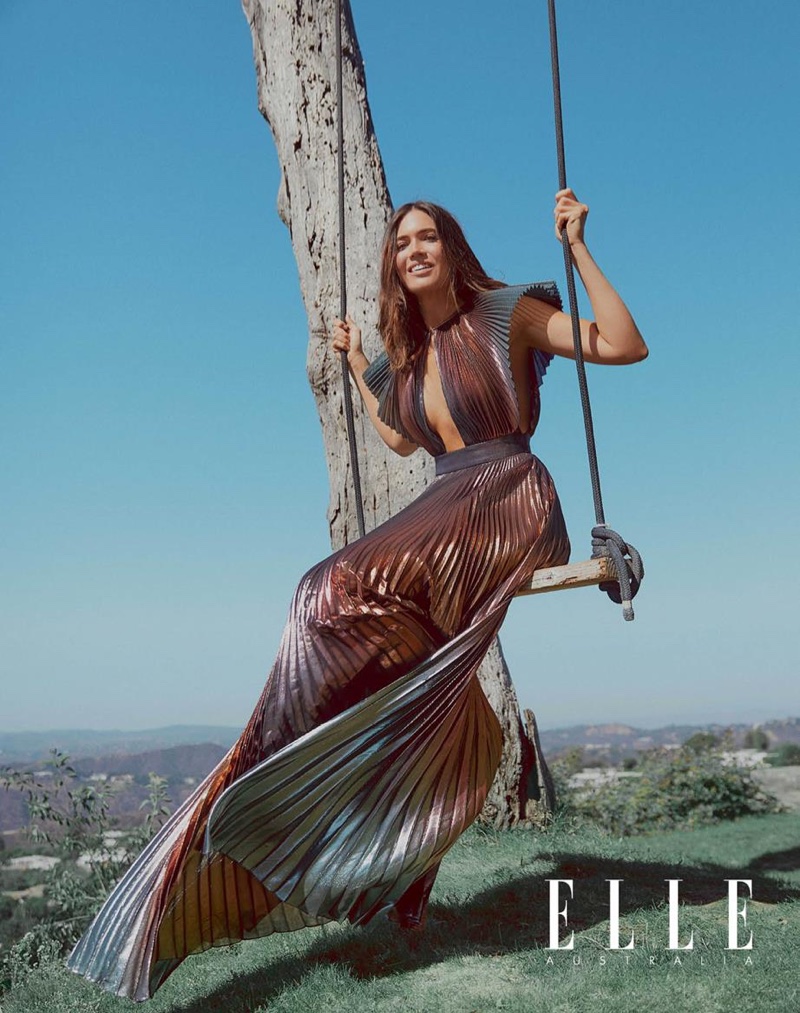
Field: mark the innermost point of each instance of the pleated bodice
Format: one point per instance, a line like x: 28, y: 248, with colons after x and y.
x: 473, y: 358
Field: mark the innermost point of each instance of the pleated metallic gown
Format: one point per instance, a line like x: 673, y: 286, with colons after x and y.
x: 372, y: 746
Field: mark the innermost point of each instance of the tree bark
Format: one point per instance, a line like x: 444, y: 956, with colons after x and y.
x: 295, y: 59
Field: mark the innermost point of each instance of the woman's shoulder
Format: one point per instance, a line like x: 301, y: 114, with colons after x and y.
x: 504, y: 298
x: 378, y: 374
x: 492, y: 312
x: 495, y: 307
x: 381, y: 380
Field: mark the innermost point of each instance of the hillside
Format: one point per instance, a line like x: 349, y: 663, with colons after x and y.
x: 127, y: 774
x: 485, y: 944
x: 24, y: 748
x: 176, y: 764
x: 28, y: 747
x: 184, y: 754
x: 618, y: 740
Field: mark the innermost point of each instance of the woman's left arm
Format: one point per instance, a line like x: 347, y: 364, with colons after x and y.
x: 612, y: 338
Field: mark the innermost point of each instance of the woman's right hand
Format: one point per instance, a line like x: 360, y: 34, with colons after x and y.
x: 347, y: 338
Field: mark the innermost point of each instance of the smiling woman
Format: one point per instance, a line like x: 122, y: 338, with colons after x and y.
x: 429, y: 273
x: 419, y: 253
x: 153, y: 341
x: 373, y: 747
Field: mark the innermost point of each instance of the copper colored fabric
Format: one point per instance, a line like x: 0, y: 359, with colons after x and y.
x: 373, y: 746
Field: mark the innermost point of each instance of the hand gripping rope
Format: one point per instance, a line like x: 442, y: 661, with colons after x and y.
x: 628, y: 566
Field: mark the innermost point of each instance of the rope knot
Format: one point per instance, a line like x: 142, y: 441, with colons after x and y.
x: 627, y: 564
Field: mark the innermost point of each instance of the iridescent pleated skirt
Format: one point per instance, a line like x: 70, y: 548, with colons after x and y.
x: 372, y: 746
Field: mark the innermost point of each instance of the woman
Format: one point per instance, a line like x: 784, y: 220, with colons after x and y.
x: 373, y: 747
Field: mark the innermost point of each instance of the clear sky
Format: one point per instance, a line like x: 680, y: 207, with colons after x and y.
x: 163, y: 482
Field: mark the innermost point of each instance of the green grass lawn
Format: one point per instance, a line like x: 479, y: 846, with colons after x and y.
x: 485, y: 946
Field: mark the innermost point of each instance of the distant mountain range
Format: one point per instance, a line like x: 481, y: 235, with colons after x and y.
x: 31, y: 747
x: 28, y: 747
x: 183, y: 767
x: 184, y: 754
x: 627, y: 740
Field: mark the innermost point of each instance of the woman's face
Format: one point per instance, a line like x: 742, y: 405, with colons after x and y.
x: 420, y: 260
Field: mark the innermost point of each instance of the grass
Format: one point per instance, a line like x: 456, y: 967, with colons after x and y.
x: 485, y: 944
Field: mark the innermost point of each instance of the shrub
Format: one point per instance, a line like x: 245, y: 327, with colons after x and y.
x: 73, y: 820
x: 756, y: 738
x: 702, y: 742
x: 674, y: 789
x: 787, y: 754
x: 562, y: 767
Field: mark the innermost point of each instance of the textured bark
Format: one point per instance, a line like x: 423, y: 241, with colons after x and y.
x: 295, y: 58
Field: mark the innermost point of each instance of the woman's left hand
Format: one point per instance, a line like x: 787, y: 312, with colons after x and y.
x: 570, y: 214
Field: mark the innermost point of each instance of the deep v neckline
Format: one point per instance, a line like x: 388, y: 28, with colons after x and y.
x: 480, y: 386
x: 435, y: 376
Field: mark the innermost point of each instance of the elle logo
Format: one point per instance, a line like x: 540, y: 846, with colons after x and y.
x: 734, y: 914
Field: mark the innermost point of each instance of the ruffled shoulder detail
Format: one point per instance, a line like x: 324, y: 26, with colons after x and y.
x: 382, y: 381
x: 497, y: 307
x: 378, y: 375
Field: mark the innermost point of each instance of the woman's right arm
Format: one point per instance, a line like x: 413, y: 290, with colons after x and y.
x: 347, y: 338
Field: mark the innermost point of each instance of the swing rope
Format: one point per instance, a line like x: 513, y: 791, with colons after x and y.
x: 627, y: 563
x: 348, y: 397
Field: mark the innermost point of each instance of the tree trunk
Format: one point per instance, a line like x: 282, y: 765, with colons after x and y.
x: 295, y: 58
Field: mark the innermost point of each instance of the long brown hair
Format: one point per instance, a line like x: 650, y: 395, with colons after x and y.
x: 401, y: 325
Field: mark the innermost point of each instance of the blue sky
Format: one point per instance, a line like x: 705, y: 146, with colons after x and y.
x: 163, y: 478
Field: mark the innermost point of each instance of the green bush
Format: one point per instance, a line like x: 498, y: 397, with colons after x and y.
x: 702, y: 742
x: 673, y: 789
x: 756, y: 738
x: 72, y: 819
x: 562, y: 767
x: 787, y: 754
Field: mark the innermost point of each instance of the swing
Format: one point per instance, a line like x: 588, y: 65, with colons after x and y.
x: 615, y: 566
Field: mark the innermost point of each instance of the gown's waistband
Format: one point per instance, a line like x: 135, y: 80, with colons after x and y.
x: 480, y: 453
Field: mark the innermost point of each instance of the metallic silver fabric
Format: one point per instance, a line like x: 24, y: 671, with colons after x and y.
x: 372, y: 746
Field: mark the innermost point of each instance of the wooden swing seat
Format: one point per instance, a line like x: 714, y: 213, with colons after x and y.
x: 560, y: 578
